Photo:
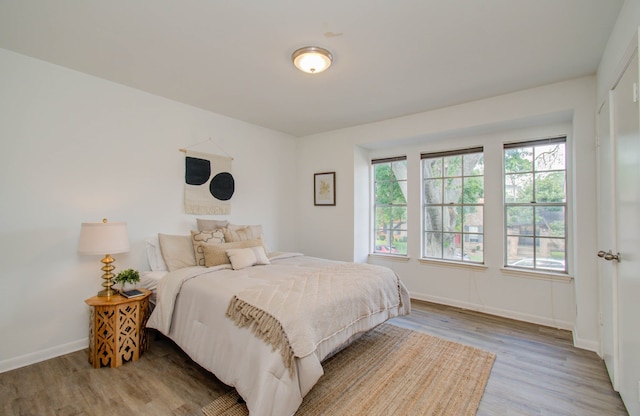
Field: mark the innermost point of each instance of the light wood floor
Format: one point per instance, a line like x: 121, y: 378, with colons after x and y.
x: 536, y: 372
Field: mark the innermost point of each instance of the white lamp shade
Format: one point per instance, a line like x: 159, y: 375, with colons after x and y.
x: 100, y: 238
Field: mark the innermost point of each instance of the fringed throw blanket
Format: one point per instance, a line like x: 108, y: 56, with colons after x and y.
x: 295, y: 315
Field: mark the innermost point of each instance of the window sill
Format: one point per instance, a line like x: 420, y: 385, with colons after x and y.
x: 445, y: 263
x: 557, y: 277
x: 389, y: 257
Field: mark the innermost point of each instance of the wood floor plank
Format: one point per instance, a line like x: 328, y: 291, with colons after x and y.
x: 537, y: 372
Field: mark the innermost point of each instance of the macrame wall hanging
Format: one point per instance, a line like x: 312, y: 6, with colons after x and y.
x: 209, y: 184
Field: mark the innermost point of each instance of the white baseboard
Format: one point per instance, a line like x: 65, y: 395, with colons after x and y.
x: 42, y: 355
x: 587, y: 344
x: 534, y: 319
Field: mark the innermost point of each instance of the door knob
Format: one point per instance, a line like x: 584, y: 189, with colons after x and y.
x: 609, y: 255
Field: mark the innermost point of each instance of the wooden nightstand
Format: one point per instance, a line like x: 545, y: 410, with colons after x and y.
x: 117, y: 329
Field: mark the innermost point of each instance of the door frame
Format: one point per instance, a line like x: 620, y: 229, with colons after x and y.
x: 607, y: 271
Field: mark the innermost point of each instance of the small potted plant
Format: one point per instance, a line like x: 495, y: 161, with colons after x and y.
x: 127, y: 279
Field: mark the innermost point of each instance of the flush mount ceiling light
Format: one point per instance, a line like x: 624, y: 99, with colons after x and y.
x: 312, y: 59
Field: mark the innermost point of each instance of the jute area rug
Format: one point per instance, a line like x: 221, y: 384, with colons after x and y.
x: 391, y: 371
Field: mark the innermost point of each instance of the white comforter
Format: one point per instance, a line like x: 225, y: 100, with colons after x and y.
x: 191, y: 307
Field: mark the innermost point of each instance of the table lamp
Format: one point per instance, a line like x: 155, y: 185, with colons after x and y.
x: 104, y: 238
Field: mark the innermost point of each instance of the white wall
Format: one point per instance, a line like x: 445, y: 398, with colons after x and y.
x: 76, y: 148
x: 336, y: 232
x: 623, y: 32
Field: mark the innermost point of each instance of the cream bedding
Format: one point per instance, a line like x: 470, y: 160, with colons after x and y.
x: 191, y: 309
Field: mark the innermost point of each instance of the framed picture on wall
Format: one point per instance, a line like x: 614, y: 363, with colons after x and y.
x: 324, y: 188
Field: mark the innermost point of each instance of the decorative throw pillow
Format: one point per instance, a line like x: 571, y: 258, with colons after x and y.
x: 205, y: 224
x: 177, y: 251
x: 154, y: 255
x: 247, y: 257
x: 242, y: 232
x: 204, y: 237
x: 216, y: 254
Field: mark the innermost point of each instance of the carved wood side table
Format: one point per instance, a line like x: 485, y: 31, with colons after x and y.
x: 117, y: 329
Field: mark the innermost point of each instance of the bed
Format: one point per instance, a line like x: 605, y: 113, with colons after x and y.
x: 265, y: 326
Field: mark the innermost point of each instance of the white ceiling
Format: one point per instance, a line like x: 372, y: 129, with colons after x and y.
x: 391, y: 58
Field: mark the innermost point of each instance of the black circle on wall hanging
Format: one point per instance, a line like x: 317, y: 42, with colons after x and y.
x: 222, y: 186
x: 197, y: 171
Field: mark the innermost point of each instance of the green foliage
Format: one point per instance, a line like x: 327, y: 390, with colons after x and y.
x: 127, y: 276
x: 550, y: 187
x: 390, y: 198
x: 391, y: 201
x: 473, y: 190
x: 518, y: 160
x: 388, y: 190
x: 556, y: 228
x: 451, y: 183
x: 538, y: 180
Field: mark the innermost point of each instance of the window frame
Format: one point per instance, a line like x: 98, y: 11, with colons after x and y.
x: 462, y: 205
x: 374, y: 205
x: 534, y: 268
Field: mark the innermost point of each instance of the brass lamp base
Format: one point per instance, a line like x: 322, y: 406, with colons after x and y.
x: 107, y: 276
x: 107, y: 293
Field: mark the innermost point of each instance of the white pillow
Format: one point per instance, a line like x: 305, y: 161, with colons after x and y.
x: 177, y: 251
x: 247, y: 257
x: 154, y: 255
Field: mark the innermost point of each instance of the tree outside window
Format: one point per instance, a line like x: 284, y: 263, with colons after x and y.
x: 535, y: 196
x: 453, y: 205
x: 390, y: 206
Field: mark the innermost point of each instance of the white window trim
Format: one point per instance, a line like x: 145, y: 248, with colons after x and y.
x: 372, y: 207
x: 449, y: 262
x: 544, y: 273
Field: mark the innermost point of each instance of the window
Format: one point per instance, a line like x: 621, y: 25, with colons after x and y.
x: 390, y: 205
x: 535, y: 195
x: 453, y: 205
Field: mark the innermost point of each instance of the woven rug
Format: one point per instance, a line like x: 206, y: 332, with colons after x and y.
x: 391, y: 371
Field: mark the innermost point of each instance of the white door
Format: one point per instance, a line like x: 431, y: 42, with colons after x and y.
x: 607, y: 270
x: 626, y: 130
